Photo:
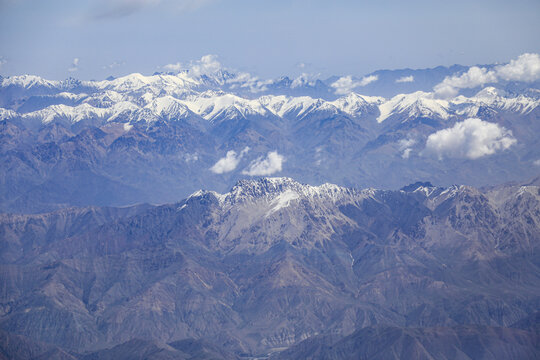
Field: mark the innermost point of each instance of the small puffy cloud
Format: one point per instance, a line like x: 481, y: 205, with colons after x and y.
x: 345, y: 84
x: 445, y: 91
x: 229, y: 162
x: 536, y: 162
x: 474, y: 77
x: 405, y: 146
x: 405, y: 79
x: 470, y: 139
x: 208, y: 64
x: 368, y: 80
x: 265, y: 166
x: 247, y: 81
x: 305, y: 80
x: 226, y: 164
x: 406, y: 153
x: 74, y: 65
x: 3, y: 61
x: 177, y: 67
x: 191, y: 157
x: 525, y: 68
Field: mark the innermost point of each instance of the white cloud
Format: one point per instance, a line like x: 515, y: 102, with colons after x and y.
x: 445, y: 91
x: 525, y: 68
x: 74, y: 65
x: 346, y: 84
x: 368, y: 80
x: 265, y: 166
x: 470, y: 139
x: 208, y: 64
x: 177, y: 67
x: 405, y: 145
x: 474, y: 77
x: 248, y: 81
x: 191, y: 157
x: 229, y: 162
x: 305, y: 79
x: 405, y: 79
x: 406, y: 153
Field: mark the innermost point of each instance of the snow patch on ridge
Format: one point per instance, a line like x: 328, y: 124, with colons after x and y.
x: 283, y: 200
x: 416, y: 104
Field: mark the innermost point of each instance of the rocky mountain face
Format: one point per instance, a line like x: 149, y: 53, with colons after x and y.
x: 158, y: 138
x: 277, y: 268
x: 384, y: 343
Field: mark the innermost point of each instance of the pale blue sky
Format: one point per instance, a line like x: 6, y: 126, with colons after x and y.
x: 266, y: 37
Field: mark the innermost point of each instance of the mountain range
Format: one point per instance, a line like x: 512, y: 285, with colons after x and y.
x: 216, y: 215
x: 159, y: 138
x: 282, y: 269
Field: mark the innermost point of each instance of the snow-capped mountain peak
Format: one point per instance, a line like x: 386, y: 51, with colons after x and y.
x: 356, y: 105
x: 28, y: 81
x: 414, y: 105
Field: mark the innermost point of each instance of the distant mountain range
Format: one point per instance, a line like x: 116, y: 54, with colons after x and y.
x: 157, y: 138
x: 111, y: 248
x: 275, y: 267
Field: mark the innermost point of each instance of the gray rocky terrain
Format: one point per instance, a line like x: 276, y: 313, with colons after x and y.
x: 278, y: 268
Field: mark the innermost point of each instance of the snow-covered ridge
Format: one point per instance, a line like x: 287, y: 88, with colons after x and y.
x: 108, y: 108
x: 496, y: 99
x: 211, y: 105
x: 265, y: 187
x: 137, y: 97
x: 280, y: 192
x: 271, y: 195
x: 415, y: 104
x: 28, y: 81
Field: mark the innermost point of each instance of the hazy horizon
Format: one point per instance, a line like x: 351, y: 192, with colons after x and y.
x: 97, y: 39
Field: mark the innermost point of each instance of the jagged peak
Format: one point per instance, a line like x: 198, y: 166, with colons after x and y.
x: 491, y: 92
x: 270, y: 189
x: 418, y: 103
x: 262, y: 186
x: 417, y: 185
x: 28, y: 81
